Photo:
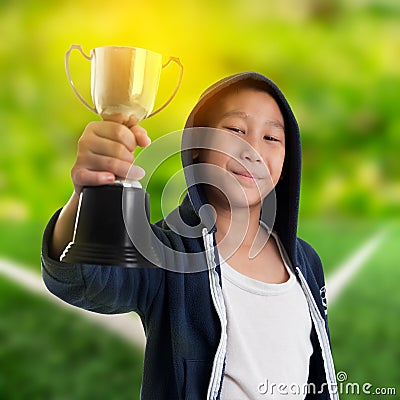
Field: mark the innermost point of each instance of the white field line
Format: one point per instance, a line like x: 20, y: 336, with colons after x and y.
x: 126, y: 326
x: 129, y: 327
x: 344, y: 273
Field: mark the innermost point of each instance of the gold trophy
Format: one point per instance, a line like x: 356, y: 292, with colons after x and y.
x: 124, y: 80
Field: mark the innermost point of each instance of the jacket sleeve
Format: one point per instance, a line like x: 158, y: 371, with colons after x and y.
x: 102, y: 289
x: 313, y: 261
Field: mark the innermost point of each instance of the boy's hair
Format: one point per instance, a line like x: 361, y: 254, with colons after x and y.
x: 202, y: 115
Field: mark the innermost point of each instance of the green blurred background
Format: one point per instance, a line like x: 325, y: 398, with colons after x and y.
x: 338, y: 64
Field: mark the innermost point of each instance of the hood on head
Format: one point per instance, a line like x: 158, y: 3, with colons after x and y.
x: 287, y: 191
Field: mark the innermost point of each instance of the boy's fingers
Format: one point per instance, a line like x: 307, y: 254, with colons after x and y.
x: 120, y: 118
x: 85, y: 177
x: 135, y: 173
x: 110, y: 148
x: 142, y: 138
x: 115, y: 132
x: 95, y: 162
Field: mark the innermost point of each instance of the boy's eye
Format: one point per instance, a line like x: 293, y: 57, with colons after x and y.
x: 234, y: 129
x: 271, y: 138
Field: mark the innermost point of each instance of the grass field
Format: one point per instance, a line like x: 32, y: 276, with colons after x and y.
x: 365, y: 325
x: 21, y: 241
x: 50, y: 353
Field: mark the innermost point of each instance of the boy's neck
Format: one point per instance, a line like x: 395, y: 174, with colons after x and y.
x: 239, y: 228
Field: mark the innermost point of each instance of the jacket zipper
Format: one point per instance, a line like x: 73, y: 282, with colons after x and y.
x: 218, y: 300
x: 323, y: 339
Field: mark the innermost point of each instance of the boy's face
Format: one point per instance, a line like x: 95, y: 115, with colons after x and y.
x: 256, y: 161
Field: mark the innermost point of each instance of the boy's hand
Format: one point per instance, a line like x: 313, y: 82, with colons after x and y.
x: 105, y: 153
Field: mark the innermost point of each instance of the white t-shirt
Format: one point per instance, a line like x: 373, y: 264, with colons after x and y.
x: 268, y: 337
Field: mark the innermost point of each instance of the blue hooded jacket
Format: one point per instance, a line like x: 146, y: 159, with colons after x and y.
x: 183, y: 314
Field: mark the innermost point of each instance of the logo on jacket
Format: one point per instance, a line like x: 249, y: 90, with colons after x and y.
x: 322, y: 292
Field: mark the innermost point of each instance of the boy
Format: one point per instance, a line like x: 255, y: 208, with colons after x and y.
x: 251, y: 322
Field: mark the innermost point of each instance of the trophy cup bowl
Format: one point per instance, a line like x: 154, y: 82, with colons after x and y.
x: 124, y: 80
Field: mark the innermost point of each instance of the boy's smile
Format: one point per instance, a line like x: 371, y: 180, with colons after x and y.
x: 254, y: 158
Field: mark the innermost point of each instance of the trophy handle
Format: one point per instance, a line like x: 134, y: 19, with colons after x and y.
x: 67, y: 55
x: 177, y: 61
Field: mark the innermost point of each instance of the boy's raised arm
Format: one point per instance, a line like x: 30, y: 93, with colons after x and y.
x: 105, y: 153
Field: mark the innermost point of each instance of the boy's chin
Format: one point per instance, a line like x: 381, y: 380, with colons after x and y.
x: 248, y: 200
x: 236, y: 200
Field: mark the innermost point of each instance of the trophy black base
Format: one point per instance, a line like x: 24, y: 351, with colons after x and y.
x: 102, y: 234
x: 86, y: 253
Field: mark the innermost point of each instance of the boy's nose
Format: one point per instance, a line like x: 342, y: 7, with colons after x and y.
x: 249, y: 153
